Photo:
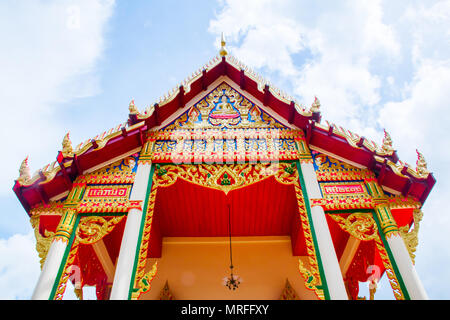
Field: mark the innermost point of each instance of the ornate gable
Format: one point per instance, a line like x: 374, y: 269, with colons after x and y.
x: 224, y: 108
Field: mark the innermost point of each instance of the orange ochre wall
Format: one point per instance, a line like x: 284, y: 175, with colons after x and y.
x: 195, y: 268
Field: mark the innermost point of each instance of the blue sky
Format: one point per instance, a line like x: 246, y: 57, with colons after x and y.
x: 75, y: 65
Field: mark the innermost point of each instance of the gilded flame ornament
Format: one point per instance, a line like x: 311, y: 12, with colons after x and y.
x: 132, y: 107
x: 315, y: 107
x: 223, y: 52
x: 67, y: 149
x: 421, y: 164
x: 387, y: 143
x: 24, y: 171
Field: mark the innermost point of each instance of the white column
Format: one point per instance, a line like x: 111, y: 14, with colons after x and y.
x: 50, y: 270
x: 405, y: 266
x: 330, y: 263
x: 128, y: 247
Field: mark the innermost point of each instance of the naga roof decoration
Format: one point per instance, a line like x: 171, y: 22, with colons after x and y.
x: 56, y: 179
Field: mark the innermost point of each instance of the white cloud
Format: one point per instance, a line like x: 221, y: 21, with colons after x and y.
x: 19, y: 266
x: 340, y: 40
x: 373, y: 65
x: 49, y: 50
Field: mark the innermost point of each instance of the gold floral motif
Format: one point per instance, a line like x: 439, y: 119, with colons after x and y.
x: 344, y: 203
x: 144, y: 283
x: 330, y: 169
x: 411, y: 238
x: 359, y: 225
x: 89, y: 230
x: 43, y: 243
x: 224, y: 177
x: 312, y: 280
x: 312, y: 276
x: 93, y: 228
x: 145, y: 242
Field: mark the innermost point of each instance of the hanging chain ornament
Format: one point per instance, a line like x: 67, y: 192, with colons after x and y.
x: 233, y: 281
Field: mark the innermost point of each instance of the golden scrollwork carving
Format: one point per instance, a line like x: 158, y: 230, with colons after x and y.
x: 43, y: 243
x: 93, y: 228
x: 411, y: 238
x: 144, y: 283
x: 312, y: 279
x: 392, y: 277
x: 24, y: 172
x: 225, y: 177
x: 67, y: 149
x: 359, y: 225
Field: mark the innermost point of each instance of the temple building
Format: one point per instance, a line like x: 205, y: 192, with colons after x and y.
x: 226, y: 188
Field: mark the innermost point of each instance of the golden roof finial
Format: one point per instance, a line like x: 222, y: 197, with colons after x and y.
x: 315, y: 107
x: 421, y: 164
x: 387, y: 143
x: 24, y: 171
x: 67, y: 149
x: 132, y: 108
x: 223, y: 52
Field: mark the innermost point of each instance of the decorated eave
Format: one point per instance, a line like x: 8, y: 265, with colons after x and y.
x: 55, y: 180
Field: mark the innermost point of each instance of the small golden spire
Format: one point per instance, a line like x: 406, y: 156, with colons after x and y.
x: 421, y: 164
x: 223, y: 52
x: 387, y: 143
x: 24, y: 171
x: 67, y: 149
x: 132, y: 108
x: 315, y: 107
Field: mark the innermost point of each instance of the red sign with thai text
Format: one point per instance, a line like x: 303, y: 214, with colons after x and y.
x: 107, y: 192
x: 347, y: 188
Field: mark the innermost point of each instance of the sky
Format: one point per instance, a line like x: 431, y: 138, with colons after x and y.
x: 74, y: 66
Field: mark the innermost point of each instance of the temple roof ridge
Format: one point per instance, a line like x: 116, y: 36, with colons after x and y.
x: 374, y: 156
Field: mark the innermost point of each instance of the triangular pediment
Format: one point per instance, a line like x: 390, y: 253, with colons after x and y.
x: 224, y: 108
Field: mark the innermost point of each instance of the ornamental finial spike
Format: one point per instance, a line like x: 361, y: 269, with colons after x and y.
x: 67, y: 149
x: 315, y: 107
x: 24, y: 171
x: 132, y: 108
x: 223, y: 52
x: 387, y: 143
x: 421, y: 164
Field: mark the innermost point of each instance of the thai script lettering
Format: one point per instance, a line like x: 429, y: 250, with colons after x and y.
x: 349, y: 188
x: 107, y: 192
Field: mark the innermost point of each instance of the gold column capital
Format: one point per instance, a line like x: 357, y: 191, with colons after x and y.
x: 304, y: 154
x: 146, y: 154
x: 65, y: 227
x: 387, y: 223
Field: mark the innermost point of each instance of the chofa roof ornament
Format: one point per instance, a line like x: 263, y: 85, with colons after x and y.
x: 24, y: 171
x: 315, y: 106
x: 132, y: 107
x: 223, y: 52
x: 67, y: 149
x: 421, y: 164
x: 387, y: 143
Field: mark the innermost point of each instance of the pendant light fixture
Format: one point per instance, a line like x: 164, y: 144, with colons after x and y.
x: 233, y: 281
